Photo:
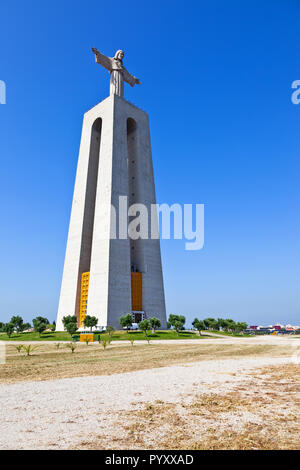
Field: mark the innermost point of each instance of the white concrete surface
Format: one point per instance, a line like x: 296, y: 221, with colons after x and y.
x: 112, y: 163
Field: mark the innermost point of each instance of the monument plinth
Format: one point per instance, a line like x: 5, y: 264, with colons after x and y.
x: 109, y: 276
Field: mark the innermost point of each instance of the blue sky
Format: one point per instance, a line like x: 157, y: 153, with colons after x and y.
x: 216, y: 81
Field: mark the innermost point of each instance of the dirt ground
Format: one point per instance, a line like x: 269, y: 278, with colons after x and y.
x: 238, y: 394
x: 48, y: 362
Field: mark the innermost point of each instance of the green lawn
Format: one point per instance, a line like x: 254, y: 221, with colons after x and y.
x: 53, y: 336
x: 161, y: 334
x: 117, y: 336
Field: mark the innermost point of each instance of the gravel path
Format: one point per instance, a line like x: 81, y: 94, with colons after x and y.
x: 59, y: 414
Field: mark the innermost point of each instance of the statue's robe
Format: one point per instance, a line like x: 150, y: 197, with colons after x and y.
x: 118, y: 73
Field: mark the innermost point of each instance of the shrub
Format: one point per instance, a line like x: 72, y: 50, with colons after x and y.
x: 90, y: 322
x: 154, y: 323
x: 126, y: 321
x: 71, y: 328
x: 29, y: 349
x: 144, y: 326
x: 71, y: 346
x: 110, y: 330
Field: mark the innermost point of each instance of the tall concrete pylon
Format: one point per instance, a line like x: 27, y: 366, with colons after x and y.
x: 107, y: 276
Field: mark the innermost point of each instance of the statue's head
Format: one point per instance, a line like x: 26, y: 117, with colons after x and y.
x: 119, y: 54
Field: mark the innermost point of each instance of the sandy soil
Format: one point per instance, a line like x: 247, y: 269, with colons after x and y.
x: 71, y: 413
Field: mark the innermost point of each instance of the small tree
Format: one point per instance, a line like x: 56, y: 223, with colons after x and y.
x: 177, y: 322
x: 215, y: 325
x: 71, y: 346
x: 240, y: 326
x: 69, y: 319
x: 18, y: 323
x: 178, y: 325
x: 104, y: 343
x: 71, y: 328
x: 132, y: 341
x: 154, y: 324
x: 90, y: 322
x: 40, y: 324
x: 198, y: 325
x: 9, y: 329
x: 209, y: 323
x: 19, y: 348
x: 145, y: 326
x: 222, y: 323
x: 29, y: 349
x: 230, y: 325
x: 126, y: 321
x: 110, y: 330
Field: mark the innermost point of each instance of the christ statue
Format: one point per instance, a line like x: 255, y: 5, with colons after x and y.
x: 118, y: 73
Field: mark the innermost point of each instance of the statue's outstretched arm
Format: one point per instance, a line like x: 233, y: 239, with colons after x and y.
x: 131, y: 79
x: 102, y: 59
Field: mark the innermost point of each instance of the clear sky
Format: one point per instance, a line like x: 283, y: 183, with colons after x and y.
x: 216, y: 81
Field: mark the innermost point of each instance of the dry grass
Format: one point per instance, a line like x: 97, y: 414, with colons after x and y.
x: 253, y: 437
x: 212, y: 404
x: 289, y: 373
x: 263, y: 415
x: 50, y: 363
